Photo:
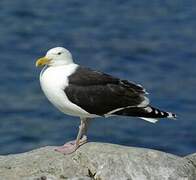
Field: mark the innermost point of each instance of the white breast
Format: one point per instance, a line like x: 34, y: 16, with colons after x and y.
x: 53, y: 81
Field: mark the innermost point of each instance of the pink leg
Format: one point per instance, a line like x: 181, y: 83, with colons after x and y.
x: 72, y: 146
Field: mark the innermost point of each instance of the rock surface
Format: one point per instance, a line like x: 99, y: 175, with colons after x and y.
x: 98, y: 161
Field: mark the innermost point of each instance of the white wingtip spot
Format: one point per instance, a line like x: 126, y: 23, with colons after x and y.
x: 156, y: 112
x: 171, y: 116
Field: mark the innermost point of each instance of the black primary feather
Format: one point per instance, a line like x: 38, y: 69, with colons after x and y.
x: 148, y: 112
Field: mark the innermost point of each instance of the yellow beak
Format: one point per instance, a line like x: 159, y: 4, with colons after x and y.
x: 42, y: 61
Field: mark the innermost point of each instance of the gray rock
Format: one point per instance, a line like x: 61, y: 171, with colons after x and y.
x: 97, y: 161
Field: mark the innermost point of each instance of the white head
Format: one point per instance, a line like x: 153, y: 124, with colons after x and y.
x: 55, y: 57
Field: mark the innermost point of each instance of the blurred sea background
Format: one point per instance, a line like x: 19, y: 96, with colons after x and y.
x: 150, y: 42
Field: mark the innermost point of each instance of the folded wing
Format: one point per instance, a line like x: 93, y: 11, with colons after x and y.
x: 101, y: 94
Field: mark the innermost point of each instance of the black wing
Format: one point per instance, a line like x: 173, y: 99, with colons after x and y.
x: 99, y: 93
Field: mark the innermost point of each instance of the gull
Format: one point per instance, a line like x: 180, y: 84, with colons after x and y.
x: 85, y: 93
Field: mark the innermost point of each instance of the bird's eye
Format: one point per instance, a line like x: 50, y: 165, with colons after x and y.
x: 59, y: 53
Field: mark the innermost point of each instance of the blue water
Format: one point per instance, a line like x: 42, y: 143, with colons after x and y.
x: 150, y: 42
